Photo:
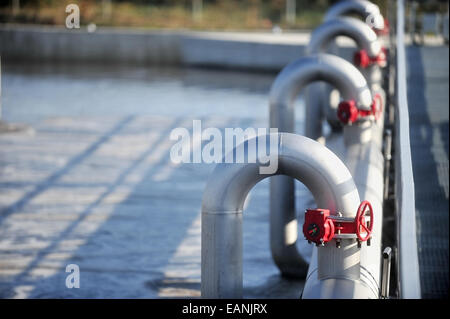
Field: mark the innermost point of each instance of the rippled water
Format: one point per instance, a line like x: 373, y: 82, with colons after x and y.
x: 155, y: 205
x: 34, y: 92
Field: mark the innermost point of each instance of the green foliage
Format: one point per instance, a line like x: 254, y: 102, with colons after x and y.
x: 174, y: 14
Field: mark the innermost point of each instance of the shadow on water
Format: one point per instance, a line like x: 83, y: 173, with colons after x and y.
x: 53, y: 178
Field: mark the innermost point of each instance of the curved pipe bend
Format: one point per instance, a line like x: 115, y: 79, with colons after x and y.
x: 322, y: 172
x: 355, y: 29
x: 321, y: 67
x: 362, y: 7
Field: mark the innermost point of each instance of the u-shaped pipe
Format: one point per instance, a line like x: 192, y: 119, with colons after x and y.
x: 318, y: 96
x: 363, y: 8
x: 295, y: 76
x: 355, y: 29
x: 322, y: 172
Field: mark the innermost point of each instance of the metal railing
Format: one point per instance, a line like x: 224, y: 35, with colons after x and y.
x: 407, y: 261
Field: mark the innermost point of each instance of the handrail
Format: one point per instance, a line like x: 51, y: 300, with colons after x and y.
x: 408, y: 262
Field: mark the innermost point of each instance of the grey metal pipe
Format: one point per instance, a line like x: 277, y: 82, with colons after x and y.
x: 319, y: 169
x: 289, y: 82
x: 365, y: 38
x: 362, y: 7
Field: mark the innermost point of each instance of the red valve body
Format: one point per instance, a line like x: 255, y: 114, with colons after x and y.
x: 320, y: 227
x: 363, y: 60
x: 348, y: 112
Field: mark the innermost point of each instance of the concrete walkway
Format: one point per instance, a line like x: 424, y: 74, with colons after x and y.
x: 428, y: 83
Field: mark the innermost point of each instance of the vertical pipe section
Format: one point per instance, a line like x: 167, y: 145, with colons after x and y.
x: 364, y: 160
x: 295, y: 76
x: 299, y: 157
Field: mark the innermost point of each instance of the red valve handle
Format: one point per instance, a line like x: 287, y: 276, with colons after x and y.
x: 360, y: 220
x: 347, y: 112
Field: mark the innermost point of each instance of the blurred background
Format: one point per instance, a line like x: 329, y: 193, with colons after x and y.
x: 175, y: 14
